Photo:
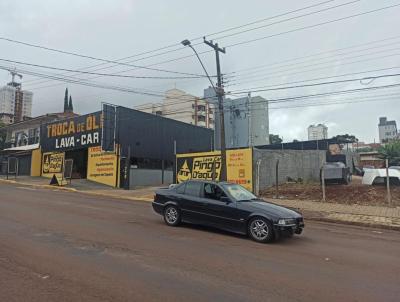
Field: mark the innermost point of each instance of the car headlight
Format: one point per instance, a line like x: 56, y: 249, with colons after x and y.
x: 286, y: 221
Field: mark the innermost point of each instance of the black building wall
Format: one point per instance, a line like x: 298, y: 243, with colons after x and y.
x: 151, y: 136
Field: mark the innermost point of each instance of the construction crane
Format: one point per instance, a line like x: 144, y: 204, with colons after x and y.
x: 14, y: 73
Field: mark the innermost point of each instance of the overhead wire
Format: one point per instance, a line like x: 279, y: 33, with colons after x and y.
x: 351, y: 2
x: 211, y: 34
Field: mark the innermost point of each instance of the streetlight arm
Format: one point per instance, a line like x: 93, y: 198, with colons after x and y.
x: 204, y: 68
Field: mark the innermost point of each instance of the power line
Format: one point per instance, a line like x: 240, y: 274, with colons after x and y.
x: 282, y: 72
x: 372, y: 98
x: 337, y: 103
x: 338, y: 92
x: 289, y: 19
x: 314, y: 54
x: 314, y: 25
x: 307, y: 27
x: 93, y: 58
x: 236, y: 74
x: 130, y: 90
x: 257, y: 78
x: 108, y: 61
x: 94, y: 73
x: 183, y: 99
x: 329, y: 83
x: 279, y: 34
x: 211, y: 34
x: 315, y: 79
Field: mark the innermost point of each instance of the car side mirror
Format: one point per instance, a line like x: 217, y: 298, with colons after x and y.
x: 225, y: 199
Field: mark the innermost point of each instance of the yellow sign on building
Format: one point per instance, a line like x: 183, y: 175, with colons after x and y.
x: 102, y: 166
x: 240, y: 167
x: 53, y: 163
x: 207, y: 166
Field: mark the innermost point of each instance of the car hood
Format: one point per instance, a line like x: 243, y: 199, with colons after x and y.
x: 271, y: 209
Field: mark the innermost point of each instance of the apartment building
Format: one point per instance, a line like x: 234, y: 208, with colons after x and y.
x: 317, y: 132
x: 15, y: 103
x: 387, y: 130
x: 246, y: 121
x: 181, y: 106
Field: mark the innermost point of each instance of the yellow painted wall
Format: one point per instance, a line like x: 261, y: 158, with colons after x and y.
x: 102, y: 166
x: 36, y: 162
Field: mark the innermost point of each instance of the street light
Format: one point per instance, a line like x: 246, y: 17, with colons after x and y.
x: 186, y: 42
x: 219, y: 92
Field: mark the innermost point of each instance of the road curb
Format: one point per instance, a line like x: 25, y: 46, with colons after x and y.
x: 38, y: 185
x: 312, y: 215
x: 356, y: 223
x: 143, y: 199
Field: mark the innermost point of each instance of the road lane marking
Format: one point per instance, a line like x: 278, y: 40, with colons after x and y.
x: 27, y: 188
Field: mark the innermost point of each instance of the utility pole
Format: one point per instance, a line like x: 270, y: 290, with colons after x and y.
x: 388, y: 195
x: 220, y: 94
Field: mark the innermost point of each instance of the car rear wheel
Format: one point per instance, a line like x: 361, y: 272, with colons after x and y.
x: 172, y: 215
x: 260, y: 230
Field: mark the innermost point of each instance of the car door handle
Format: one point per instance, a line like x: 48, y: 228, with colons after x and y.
x: 204, y: 203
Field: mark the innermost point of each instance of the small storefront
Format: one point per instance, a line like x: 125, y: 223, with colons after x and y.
x: 24, y: 159
x: 69, y: 139
x: 143, y: 153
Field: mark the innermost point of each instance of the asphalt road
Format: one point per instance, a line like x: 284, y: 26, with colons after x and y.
x: 62, y: 246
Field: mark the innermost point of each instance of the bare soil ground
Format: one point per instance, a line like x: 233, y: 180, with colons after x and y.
x: 355, y: 193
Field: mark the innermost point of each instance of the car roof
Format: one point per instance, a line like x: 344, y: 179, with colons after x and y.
x: 210, y: 181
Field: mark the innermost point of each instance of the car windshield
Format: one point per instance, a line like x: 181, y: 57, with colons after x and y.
x: 238, y: 192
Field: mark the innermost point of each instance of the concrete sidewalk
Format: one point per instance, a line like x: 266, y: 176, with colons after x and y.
x: 84, y: 186
x: 373, y: 216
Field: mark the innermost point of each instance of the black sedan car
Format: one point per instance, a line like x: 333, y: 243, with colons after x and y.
x: 226, y: 206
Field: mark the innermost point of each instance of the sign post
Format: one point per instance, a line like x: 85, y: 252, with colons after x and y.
x: 68, y: 165
x: 389, y: 196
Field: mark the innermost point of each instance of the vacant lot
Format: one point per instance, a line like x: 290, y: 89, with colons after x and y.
x: 355, y: 193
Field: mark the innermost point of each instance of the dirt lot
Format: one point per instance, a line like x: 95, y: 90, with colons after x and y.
x: 355, y: 193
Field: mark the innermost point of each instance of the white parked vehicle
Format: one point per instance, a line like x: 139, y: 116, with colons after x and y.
x: 378, y: 176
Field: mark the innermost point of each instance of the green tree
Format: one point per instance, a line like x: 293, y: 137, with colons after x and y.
x: 345, y: 138
x: 274, y: 139
x: 364, y: 149
x: 391, y: 152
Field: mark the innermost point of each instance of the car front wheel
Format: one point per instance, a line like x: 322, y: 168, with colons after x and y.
x: 172, y: 216
x: 260, y: 230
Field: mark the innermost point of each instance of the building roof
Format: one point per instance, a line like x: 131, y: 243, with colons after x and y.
x: 23, y: 148
x: 41, y: 117
x: 384, y: 122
